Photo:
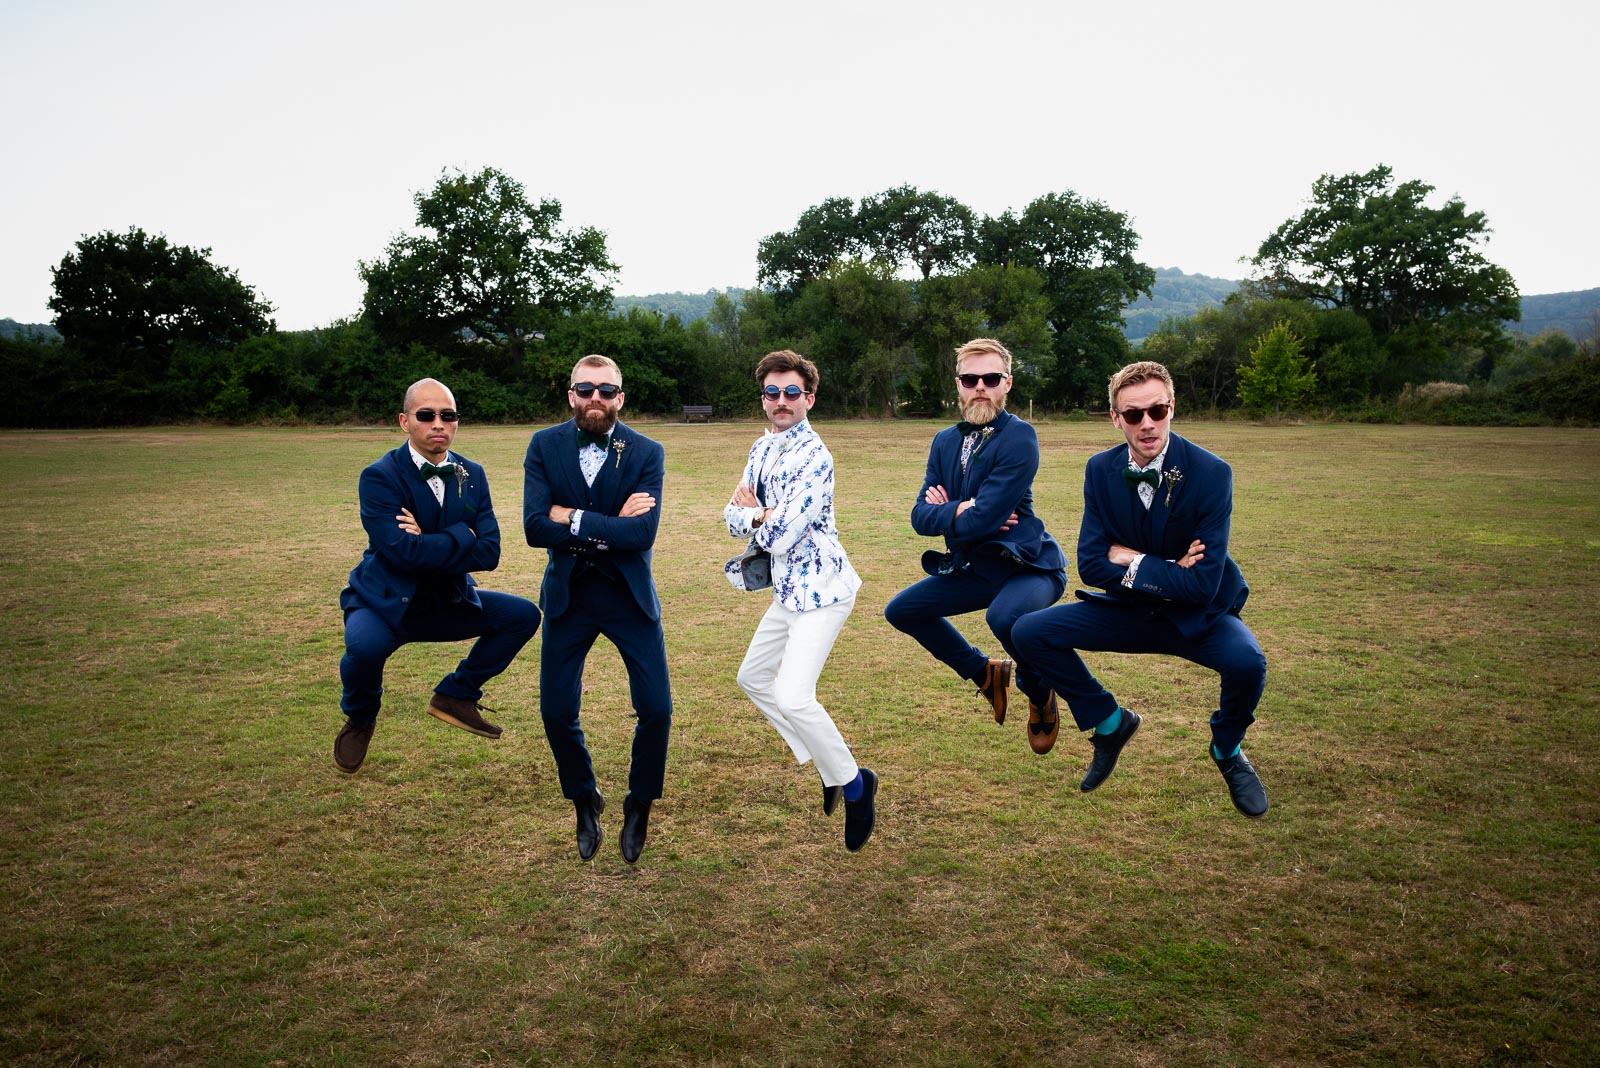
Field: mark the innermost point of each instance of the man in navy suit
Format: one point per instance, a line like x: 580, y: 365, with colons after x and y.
x: 978, y: 495
x: 1156, y: 513
x: 429, y: 524
x: 591, y: 487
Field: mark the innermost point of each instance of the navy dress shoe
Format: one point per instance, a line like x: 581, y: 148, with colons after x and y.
x: 1107, y: 747
x: 635, y: 825
x: 589, y: 809
x: 1244, y: 785
x: 830, y: 798
x: 860, y: 816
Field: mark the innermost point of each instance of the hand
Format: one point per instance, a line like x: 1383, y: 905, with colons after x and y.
x: 1120, y: 555
x: 765, y: 515
x: 560, y: 513
x: 936, y: 495
x: 1196, y: 553
x: 1009, y: 523
x: 408, y: 522
x: 745, y: 497
x: 637, y: 504
x: 964, y: 505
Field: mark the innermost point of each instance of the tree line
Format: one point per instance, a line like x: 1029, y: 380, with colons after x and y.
x: 1353, y: 307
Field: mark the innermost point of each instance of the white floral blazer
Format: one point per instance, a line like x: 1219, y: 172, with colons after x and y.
x: 809, y: 566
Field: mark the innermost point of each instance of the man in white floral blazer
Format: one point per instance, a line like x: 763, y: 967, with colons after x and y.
x: 784, y: 503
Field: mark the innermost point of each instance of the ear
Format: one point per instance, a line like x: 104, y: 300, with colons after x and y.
x: 621, y: 396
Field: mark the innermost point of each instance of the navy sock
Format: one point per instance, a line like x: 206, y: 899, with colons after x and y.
x: 1111, y: 723
x: 855, y: 788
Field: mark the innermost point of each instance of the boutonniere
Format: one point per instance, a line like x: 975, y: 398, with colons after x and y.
x: 619, y: 445
x: 1171, y: 478
x: 983, y: 436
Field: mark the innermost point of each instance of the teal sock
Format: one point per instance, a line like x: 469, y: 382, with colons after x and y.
x: 1219, y: 756
x: 1111, y: 723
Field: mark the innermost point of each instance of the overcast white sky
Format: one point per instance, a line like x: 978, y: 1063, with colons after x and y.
x: 289, y: 137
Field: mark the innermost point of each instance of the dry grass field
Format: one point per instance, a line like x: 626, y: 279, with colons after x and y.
x: 189, y: 880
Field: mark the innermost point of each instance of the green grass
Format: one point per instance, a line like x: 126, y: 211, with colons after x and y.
x: 190, y: 880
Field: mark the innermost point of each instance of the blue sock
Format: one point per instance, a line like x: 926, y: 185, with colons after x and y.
x: 1111, y: 723
x: 1219, y: 756
x: 855, y: 788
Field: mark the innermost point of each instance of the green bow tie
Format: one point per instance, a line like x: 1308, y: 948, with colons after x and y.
x: 964, y: 428
x: 586, y: 438
x: 1152, y: 476
x: 444, y: 471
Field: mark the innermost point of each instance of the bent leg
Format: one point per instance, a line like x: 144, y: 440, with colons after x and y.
x: 811, y: 638
x: 505, y: 624
x: 920, y: 610
x: 1049, y: 640
x: 1023, y: 593
x: 1230, y: 649
x: 759, y: 672
x: 368, y: 644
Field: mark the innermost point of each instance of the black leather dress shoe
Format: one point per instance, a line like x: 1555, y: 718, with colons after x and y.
x: 830, y: 798
x: 1107, y: 747
x: 589, y: 809
x: 861, y: 816
x: 635, y: 825
x: 1244, y: 785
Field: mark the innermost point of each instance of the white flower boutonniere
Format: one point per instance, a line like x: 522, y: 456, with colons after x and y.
x: 619, y: 445
x: 1172, y: 478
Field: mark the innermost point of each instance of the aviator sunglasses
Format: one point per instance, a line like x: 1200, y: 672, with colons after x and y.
x: 1135, y: 416
x: 587, y: 389
x: 792, y: 392
x: 427, y: 415
x: 992, y: 379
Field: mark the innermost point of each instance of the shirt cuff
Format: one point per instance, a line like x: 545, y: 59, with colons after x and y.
x: 577, y: 518
x: 1133, y: 570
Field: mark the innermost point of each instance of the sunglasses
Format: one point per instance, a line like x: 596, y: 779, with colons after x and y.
x: 992, y: 379
x: 427, y: 415
x: 1135, y: 416
x: 772, y: 393
x: 587, y: 389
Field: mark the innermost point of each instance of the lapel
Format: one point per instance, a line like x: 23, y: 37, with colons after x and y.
x: 616, y: 471
x: 566, y: 443
x: 1177, y: 459
x: 980, y: 451
x: 416, y: 489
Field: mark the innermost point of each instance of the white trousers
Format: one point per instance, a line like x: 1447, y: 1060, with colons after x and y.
x: 780, y: 674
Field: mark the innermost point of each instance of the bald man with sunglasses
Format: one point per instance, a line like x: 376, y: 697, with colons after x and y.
x: 1157, y: 509
x: 430, y: 524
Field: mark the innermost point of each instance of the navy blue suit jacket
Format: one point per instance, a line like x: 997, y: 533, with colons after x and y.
x: 999, y: 481
x: 1199, y: 504
x: 551, y: 475
x: 395, y: 562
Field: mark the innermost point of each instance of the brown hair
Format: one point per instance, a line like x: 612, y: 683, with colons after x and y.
x: 785, y: 360
x: 978, y: 346
x: 1133, y: 374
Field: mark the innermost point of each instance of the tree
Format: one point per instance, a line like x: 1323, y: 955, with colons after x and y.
x: 494, y: 267
x: 1085, y: 251
x: 929, y: 231
x: 1415, y: 273
x: 125, y: 302
x: 1275, y: 375
x: 824, y: 234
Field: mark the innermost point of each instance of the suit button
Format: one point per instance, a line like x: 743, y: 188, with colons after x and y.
x: 405, y: 600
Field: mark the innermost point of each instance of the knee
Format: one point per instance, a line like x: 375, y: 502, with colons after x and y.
x: 794, y: 706
x: 1025, y: 634
x: 1248, y: 664
x: 900, y: 615
x: 367, y: 646
x: 526, y: 619
x: 753, y: 679
x: 1002, y: 621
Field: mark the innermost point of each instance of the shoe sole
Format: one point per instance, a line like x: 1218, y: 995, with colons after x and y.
x: 347, y: 771
x: 1002, y: 692
x: 448, y: 718
x: 1091, y: 789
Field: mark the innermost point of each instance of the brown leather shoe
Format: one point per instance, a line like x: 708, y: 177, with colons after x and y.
x: 1043, y: 724
x: 995, y: 687
x: 350, y: 745
x: 459, y: 712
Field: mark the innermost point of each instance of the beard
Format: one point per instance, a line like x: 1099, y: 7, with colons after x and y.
x: 981, y: 411
x: 596, y: 420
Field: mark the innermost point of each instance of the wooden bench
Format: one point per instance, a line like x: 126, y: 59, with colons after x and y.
x: 692, y: 410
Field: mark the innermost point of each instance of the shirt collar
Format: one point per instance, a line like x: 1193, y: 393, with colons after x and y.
x: 1153, y: 465
x: 419, y: 459
x: 799, y: 430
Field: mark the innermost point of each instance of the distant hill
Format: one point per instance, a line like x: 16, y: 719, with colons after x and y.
x: 1175, y: 295
x: 686, y: 306
x: 39, y: 331
x: 1575, y: 314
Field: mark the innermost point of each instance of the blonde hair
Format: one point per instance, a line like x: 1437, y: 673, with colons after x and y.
x: 980, y: 346
x: 1133, y: 374
x: 596, y: 360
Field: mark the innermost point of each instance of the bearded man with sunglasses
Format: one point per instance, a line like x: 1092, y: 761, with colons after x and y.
x: 430, y: 524
x: 591, y: 490
x: 1157, y: 509
x: 784, y: 503
x: 977, y: 494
